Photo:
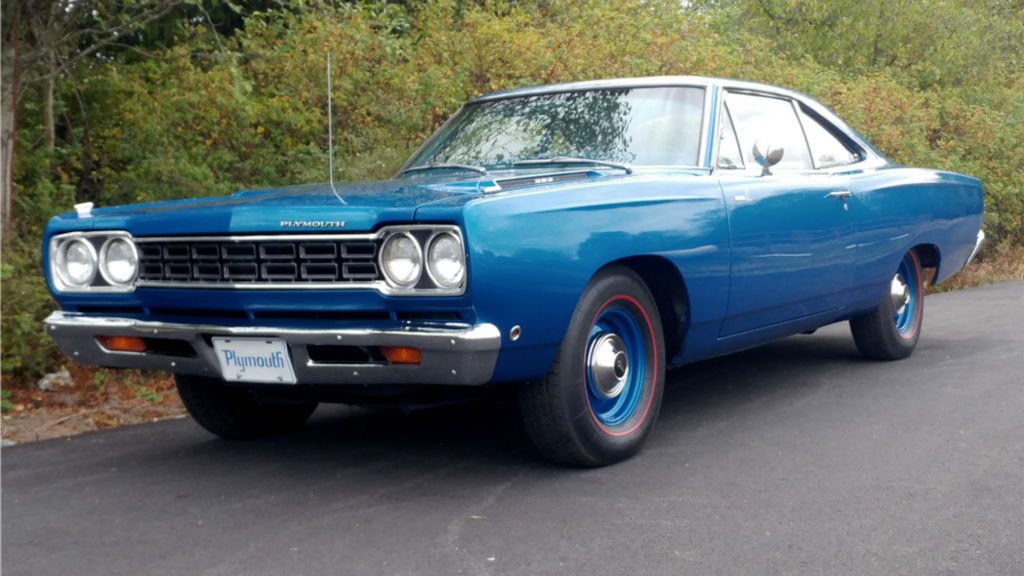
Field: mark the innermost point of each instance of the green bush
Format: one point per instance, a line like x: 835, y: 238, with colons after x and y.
x: 209, y: 113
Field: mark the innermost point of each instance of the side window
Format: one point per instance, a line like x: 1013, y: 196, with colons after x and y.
x: 773, y: 119
x: 826, y: 149
x: 729, y: 155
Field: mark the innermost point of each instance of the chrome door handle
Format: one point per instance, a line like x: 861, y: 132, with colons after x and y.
x: 843, y: 195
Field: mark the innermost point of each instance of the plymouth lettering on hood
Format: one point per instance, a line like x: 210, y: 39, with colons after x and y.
x: 312, y: 224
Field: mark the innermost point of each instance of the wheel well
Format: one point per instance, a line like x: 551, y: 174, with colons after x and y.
x: 669, y: 290
x: 929, y: 256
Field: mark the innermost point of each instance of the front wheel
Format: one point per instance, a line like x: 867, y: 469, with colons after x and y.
x: 602, y: 395
x: 892, y: 330
x: 236, y: 413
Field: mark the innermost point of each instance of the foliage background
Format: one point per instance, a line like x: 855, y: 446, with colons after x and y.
x: 218, y: 96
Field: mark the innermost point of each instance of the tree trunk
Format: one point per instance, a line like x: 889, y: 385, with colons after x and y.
x: 49, y: 126
x: 8, y: 118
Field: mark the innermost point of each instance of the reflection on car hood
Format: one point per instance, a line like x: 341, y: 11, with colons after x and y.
x: 348, y: 207
x: 305, y: 208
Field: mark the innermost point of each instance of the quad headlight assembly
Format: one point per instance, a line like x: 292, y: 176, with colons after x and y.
x: 413, y: 260
x: 423, y: 260
x: 93, y: 262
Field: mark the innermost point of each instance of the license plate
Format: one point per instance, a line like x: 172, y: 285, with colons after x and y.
x: 254, y: 360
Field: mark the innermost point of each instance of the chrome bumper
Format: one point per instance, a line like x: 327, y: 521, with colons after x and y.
x: 977, y: 247
x: 463, y: 355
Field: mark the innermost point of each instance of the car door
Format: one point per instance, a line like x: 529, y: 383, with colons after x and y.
x: 791, y: 231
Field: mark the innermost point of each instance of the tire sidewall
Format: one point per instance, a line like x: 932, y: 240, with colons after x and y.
x: 897, y: 340
x: 622, y: 288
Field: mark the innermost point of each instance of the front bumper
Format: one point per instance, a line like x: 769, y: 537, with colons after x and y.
x: 459, y: 355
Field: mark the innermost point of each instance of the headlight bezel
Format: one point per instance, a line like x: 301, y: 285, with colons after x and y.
x: 429, y: 263
x: 95, y: 241
x: 421, y: 260
x: 104, y: 259
x: 426, y: 285
x: 62, y: 270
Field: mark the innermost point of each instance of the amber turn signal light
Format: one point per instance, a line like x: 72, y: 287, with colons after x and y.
x: 122, y: 343
x: 401, y: 354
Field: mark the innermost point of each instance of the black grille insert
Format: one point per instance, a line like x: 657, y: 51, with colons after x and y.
x: 276, y: 261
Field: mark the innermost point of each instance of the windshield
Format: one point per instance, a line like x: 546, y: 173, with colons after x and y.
x: 637, y: 126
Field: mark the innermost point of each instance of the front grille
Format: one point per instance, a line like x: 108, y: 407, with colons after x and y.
x: 263, y: 261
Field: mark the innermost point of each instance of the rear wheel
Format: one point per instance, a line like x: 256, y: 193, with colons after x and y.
x: 237, y: 413
x: 892, y: 330
x: 602, y: 395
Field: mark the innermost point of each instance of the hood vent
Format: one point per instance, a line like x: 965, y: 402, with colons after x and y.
x: 524, y: 181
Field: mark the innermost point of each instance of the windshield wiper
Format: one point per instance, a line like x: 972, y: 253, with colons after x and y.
x: 468, y: 167
x: 572, y: 160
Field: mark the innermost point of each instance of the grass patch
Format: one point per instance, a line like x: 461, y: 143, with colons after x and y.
x: 999, y: 264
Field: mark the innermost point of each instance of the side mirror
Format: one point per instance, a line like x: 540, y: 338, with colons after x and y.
x: 767, y: 155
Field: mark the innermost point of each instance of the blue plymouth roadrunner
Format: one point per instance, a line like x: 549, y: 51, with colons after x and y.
x: 575, y: 239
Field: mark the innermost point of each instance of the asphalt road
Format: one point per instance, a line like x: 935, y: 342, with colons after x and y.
x: 794, y: 458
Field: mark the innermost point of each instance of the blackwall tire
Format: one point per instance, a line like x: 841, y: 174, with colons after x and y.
x: 891, y: 332
x: 236, y: 413
x: 599, y: 401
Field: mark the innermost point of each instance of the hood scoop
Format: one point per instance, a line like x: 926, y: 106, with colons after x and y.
x: 524, y: 181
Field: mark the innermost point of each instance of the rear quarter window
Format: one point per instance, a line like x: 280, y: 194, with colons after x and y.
x: 827, y: 151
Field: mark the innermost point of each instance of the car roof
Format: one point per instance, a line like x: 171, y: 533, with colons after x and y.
x: 640, y: 82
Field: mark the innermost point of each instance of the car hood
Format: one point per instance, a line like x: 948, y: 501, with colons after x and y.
x: 306, y: 208
x: 320, y: 208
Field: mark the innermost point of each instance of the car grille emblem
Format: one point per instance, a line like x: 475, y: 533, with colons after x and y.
x: 312, y: 224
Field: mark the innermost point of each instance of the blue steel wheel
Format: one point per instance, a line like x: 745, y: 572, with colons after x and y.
x: 905, y: 295
x: 615, y: 363
x: 602, y: 395
x: 892, y: 330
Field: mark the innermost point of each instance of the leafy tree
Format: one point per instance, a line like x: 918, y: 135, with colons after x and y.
x: 160, y: 99
x: 43, y: 39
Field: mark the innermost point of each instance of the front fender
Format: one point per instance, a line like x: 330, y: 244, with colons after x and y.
x: 533, y: 253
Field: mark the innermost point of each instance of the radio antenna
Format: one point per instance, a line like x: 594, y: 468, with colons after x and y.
x: 330, y: 129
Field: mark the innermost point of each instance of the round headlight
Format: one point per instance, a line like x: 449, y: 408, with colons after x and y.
x: 119, y: 261
x: 76, y: 263
x: 446, y: 263
x: 402, y: 260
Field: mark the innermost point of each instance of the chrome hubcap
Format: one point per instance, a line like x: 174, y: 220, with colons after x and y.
x: 608, y: 364
x: 899, y: 292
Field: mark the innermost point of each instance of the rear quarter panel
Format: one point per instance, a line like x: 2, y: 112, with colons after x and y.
x: 532, y: 253
x: 899, y: 208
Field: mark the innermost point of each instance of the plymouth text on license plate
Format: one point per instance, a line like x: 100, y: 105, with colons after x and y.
x: 254, y: 360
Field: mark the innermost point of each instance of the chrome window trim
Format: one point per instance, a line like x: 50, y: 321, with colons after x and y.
x: 866, y: 159
x: 705, y: 126
x: 589, y: 86
x: 803, y: 111
x: 721, y: 112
